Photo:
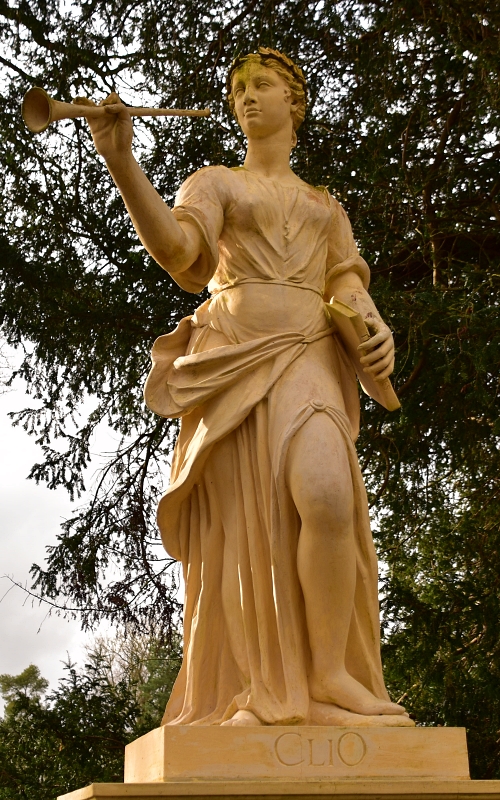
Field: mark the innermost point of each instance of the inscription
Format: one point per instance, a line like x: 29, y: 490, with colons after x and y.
x: 292, y: 750
x: 351, y: 749
x: 319, y: 755
x: 288, y: 749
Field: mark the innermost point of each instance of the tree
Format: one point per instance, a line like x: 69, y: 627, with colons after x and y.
x: 77, y: 734
x: 403, y: 129
x: 29, y: 685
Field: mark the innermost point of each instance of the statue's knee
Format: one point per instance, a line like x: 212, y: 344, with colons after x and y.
x: 318, y: 475
x: 328, y: 511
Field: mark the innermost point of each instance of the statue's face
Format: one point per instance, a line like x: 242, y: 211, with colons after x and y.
x: 262, y: 101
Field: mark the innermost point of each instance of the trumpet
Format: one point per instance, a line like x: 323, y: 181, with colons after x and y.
x: 39, y: 110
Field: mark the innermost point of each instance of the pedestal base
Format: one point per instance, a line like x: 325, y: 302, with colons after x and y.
x: 186, y: 752
x: 349, y: 789
x: 204, y: 763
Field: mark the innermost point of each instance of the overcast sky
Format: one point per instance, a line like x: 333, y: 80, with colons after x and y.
x: 30, y: 519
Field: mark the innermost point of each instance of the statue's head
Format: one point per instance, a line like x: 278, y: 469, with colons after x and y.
x: 288, y: 73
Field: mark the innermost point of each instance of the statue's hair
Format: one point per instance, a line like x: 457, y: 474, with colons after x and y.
x: 285, y: 68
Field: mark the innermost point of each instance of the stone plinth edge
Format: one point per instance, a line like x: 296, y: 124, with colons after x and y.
x: 306, y: 790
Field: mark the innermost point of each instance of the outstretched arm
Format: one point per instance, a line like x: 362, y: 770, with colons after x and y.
x: 174, y: 245
x: 378, y: 351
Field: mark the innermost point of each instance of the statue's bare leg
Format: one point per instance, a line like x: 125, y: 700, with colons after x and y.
x: 319, y: 478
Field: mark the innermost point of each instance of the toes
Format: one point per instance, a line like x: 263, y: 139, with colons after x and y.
x: 391, y: 708
x: 243, y: 718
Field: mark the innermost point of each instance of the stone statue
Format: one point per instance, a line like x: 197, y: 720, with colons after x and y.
x: 266, y: 507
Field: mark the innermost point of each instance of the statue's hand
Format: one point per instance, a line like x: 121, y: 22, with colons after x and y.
x: 113, y: 132
x: 378, y: 350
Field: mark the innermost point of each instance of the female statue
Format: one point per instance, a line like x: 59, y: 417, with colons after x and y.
x: 266, y: 507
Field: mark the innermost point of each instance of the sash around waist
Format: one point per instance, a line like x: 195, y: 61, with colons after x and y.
x: 275, y: 281
x: 180, y: 381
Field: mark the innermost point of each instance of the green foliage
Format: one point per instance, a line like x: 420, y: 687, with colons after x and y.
x: 77, y: 734
x: 27, y: 686
x: 403, y: 128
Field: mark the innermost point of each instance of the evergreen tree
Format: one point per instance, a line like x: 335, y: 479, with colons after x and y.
x: 403, y: 128
x: 53, y: 743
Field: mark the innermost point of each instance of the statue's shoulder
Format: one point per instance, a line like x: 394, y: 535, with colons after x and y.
x: 324, y: 191
x: 213, y: 171
x: 336, y: 206
x: 209, y: 178
x: 333, y: 197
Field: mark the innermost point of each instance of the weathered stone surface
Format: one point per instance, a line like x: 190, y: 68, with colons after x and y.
x: 173, y: 753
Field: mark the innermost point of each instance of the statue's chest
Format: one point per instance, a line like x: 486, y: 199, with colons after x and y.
x: 277, y: 213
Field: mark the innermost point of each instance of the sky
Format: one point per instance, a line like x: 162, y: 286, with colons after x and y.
x: 30, y: 518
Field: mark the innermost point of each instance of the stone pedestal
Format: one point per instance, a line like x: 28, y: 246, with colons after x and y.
x: 249, y: 763
x: 282, y: 753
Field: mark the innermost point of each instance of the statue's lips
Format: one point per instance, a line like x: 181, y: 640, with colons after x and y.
x: 252, y: 111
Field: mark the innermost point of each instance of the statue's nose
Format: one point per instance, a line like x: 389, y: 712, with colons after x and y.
x: 249, y: 96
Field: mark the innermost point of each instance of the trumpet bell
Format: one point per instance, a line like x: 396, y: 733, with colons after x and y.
x: 37, y: 109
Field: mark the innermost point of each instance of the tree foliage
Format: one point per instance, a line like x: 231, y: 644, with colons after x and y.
x: 53, y: 743
x: 403, y: 127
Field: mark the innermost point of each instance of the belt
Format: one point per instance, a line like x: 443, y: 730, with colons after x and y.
x: 309, y: 286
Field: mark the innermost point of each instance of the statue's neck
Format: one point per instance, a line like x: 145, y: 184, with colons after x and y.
x: 270, y: 156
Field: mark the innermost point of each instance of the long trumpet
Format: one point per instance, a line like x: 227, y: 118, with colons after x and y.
x: 39, y: 110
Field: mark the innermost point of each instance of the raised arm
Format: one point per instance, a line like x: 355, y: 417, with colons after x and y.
x: 174, y: 245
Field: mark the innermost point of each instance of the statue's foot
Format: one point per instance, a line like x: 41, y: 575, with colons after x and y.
x: 243, y: 718
x: 329, y: 714
x: 342, y: 690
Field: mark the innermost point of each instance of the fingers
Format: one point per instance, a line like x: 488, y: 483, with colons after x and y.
x: 113, y: 105
x: 377, y: 353
x: 385, y: 374
x: 377, y: 356
x: 111, y: 99
x: 374, y: 341
x: 117, y: 109
x: 111, y: 128
x: 380, y: 358
x: 83, y: 101
x: 381, y: 365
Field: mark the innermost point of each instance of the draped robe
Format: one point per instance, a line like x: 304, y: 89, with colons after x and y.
x: 244, y: 373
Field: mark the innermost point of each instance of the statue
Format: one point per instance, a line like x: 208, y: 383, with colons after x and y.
x: 266, y: 508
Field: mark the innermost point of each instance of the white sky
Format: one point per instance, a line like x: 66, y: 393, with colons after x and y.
x: 30, y: 517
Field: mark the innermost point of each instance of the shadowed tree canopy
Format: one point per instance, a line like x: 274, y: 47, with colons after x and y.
x: 76, y: 734
x: 403, y: 128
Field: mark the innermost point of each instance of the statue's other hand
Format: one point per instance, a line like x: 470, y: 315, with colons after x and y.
x: 377, y: 353
x: 113, y: 131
